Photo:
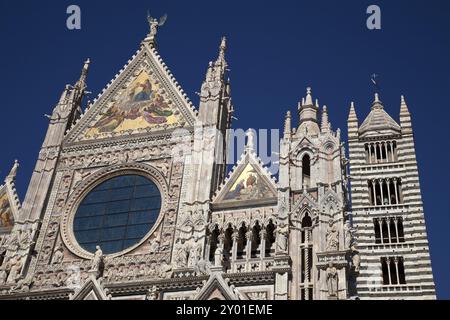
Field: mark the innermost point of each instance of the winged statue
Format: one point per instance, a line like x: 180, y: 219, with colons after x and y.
x: 155, y: 23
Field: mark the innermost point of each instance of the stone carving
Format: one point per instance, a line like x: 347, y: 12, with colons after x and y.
x: 53, y: 229
x: 13, y: 241
x: 153, y: 293
x: 332, y: 237
x: 332, y: 280
x: 26, y: 238
x: 164, y: 271
x: 181, y: 256
x: 195, y: 255
x: 3, y: 276
x: 15, y: 267
x: 58, y: 255
x: 154, y: 246
x: 257, y: 295
x: 202, y: 267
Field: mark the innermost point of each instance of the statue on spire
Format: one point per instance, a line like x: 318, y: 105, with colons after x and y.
x: 155, y: 23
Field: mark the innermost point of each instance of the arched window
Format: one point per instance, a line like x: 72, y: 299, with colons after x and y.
x: 214, y: 243
x: 256, y: 239
x: 270, y: 238
x: 241, y: 241
x: 306, y: 167
x: 306, y: 259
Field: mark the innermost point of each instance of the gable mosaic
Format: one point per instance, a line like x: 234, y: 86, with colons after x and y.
x: 140, y: 106
x: 249, y: 186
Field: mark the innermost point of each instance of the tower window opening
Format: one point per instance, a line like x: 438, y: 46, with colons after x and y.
x: 306, y: 167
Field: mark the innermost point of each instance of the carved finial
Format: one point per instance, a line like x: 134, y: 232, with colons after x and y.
x: 12, y: 174
x: 308, y: 99
x: 377, y: 104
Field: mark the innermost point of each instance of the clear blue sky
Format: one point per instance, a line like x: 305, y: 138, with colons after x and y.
x: 276, y: 50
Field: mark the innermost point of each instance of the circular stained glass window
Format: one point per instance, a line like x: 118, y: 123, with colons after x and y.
x: 117, y: 214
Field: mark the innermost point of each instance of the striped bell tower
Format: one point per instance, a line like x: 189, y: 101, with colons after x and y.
x: 387, y: 207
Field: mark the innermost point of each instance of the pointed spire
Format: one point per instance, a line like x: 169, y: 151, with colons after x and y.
x: 352, y: 115
x: 352, y: 122
x: 405, y: 116
x: 325, y: 120
x: 288, y: 125
x: 308, y: 99
x: 222, y: 49
x: 81, y: 83
x: 12, y: 174
x: 403, y: 106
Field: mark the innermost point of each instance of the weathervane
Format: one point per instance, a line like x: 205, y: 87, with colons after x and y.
x: 155, y: 23
x: 375, y: 82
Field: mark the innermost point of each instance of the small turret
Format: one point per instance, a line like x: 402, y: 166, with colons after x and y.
x: 288, y: 125
x: 325, y: 127
x: 308, y: 124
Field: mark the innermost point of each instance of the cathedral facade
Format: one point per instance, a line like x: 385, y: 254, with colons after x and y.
x: 130, y: 200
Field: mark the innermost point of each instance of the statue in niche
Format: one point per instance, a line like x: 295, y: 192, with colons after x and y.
x: 98, y: 262
x: 218, y: 256
x: 332, y: 280
x: 58, y: 256
x: 282, y: 241
x: 356, y: 259
x: 348, y: 235
x: 332, y: 237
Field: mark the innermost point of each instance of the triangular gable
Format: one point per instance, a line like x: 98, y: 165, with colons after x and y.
x: 144, y: 97
x: 249, y: 183
x: 91, y: 290
x: 9, y: 202
x: 216, y: 288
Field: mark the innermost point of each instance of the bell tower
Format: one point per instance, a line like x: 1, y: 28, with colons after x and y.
x: 387, y: 207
